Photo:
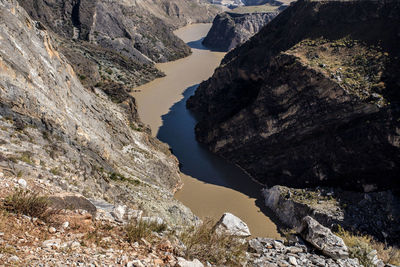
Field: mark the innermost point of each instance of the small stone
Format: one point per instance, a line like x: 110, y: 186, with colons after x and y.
x: 292, y: 260
x: 52, y: 230
x: 75, y: 245
x: 119, y: 212
x: 22, y: 183
x: 135, y: 263
x: 52, y: 243
x: 65, y: 225
x: 13, y: 258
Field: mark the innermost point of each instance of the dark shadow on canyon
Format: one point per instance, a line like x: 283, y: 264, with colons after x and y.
x: 199, y: 45
x: 177, y: 130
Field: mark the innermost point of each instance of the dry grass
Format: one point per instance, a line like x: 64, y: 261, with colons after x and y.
x: 29, y: 203
x: 361, y: 245
x: 204, y: 244
x: 135, y: 231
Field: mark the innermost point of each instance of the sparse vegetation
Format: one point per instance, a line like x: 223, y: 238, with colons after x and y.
x: 55, y: 171
x: 143, y: 229
x: 204, y: 244
x: 356, y: 66
x: 119, y: 177
x: 28, y: 203
x: 134, y: 127
x: 26, y: 157
x: 362, y: 246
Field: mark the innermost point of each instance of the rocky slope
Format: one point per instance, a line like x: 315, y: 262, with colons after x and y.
x: 231, y: 29
x: 112, y: 45
x: 56, y: 131
x: 312, y: 99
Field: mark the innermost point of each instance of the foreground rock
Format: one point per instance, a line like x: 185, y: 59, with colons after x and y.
x: 303, y: 104
x: 323, y: 239
x: 271, y: 253
x: 375, y: 214
x: 232, y: 225
x: 231, y: 29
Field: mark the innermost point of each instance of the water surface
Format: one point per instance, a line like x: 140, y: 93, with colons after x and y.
x: 212, y: 186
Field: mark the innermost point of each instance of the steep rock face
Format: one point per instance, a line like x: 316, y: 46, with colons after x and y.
x: 112, y: 45
x: 312, y: 99
x: 54, y: 129
x: 230, y: 29
x: 179, y: 13
x: 120, y: 25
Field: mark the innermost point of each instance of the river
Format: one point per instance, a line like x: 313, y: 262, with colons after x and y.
x: 212, y: 186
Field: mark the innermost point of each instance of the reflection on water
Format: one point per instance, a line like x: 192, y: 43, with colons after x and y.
x: 212, y: 185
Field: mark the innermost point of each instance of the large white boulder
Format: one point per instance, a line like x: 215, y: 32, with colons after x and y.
x: 185, y: 263
x: 232, y: 225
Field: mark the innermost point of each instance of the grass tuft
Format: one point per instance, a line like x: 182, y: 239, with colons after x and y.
x: 362, y: 245
x: 135, y: 231
x: 28, y: 203
x: 203, y: 243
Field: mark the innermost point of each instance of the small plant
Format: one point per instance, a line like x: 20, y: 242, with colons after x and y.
x: 143, y: 229
x: 119, y: 177
x: 55, y: 171
x: 26, y: 157
x: 203, y: 243
x: 360, y: 247
x: 28, y: 203
x: 133, y: 127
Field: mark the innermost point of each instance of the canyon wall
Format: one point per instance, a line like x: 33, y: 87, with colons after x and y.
x: 312, y: 99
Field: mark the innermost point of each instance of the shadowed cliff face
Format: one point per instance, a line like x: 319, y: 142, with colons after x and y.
x: 312, y: 99
x: 230, y: 30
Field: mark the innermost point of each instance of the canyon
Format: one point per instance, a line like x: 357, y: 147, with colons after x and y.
x: 95, y: 131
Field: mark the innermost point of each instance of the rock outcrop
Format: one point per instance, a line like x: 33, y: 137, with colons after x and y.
x: 312, y: 99
x: 56, y: 132
x: 231, y: 29
x: 323, y: 239
x: 374, y: 214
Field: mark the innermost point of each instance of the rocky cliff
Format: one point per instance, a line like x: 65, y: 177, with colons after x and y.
x: 312, y: 99
x: 56, y: 132
x: 112, y: 45
x: 231, y: 29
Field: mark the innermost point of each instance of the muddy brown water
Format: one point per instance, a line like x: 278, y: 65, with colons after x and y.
x: 212, y: 186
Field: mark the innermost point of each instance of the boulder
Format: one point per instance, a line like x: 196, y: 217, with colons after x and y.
x: 71, y: 201
x: 323, y: 239
x: 119, y: 212
x: 185, y: 263
x: 232, y: 225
